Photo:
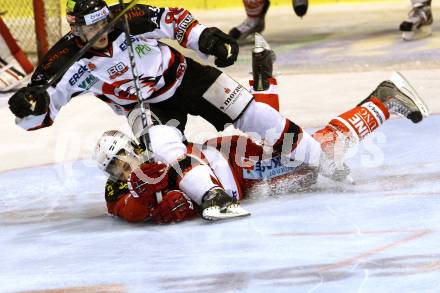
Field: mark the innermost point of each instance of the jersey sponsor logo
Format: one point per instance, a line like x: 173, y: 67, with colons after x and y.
x: 266, y: 169
x: 232, y: 98
x: 117, y: 70
x: 88, y: 82
x: 133, y: 39
x: 183, y: 26
x: 52, y: 58
x: 363, y: 122
x: 142, y: 50
x: 81, y: 71
x: 376, y: 110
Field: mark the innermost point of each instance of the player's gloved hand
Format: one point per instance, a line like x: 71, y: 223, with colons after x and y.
x: 214, y: 42
x: 29, y: 101
x: 148, y: 179
x: 174, y: 207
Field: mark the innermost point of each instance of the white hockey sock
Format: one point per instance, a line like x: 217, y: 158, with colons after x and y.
x: 197, y: 181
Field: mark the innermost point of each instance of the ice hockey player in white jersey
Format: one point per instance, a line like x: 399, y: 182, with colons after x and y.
x: 419, y: 21
x: 171, y: 83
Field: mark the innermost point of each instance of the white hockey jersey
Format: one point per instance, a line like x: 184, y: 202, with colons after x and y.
x: 107, y: 75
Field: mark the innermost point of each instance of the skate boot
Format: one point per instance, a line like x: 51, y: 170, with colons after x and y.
x: 419, y: 21
x: 254, y: 23
x: 401, y: 98
x: 262, y: 63
x: 300, y: 7
x: 248, y: 27
x: 218, y: 205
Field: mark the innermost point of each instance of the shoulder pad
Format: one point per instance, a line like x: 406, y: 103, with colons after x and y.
x: 142, y: 18
x: 114, y: 190
x: 55, y: 59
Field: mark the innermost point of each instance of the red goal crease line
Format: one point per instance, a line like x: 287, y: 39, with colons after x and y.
x: 415, y: 234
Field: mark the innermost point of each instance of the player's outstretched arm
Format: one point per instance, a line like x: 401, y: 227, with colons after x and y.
x: 35, y: 107
x: 179, y: 24
x: 214, y: 42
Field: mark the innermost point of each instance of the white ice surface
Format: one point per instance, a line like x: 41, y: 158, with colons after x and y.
x: 380, y: 235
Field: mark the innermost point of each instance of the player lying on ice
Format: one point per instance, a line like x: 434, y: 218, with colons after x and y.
x: 238, y: 165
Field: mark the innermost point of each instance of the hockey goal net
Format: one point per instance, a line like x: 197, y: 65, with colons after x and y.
x: 34, y: 24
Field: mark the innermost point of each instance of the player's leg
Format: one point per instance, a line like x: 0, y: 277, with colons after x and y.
x: 300, y: 7
x: 394, y: 96
x: 419, y: 21
x: 188, y: 172
x: 255, y: 21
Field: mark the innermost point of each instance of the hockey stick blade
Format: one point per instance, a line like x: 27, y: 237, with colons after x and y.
x: 86, y: 47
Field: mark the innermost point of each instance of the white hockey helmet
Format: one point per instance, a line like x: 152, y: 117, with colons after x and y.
x: 110, y: 145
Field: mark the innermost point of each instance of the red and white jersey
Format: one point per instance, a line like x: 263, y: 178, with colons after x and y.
x: 107, y: 74
x: 243, y: 167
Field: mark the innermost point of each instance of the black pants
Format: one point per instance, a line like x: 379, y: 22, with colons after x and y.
x: 188, y: 99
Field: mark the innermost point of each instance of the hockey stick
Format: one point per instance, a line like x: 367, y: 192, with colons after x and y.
x: 86, y: 47
x: 147, y: 121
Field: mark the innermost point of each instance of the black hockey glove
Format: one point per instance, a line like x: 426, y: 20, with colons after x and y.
x: 29, y: 101
x: 214, y: 42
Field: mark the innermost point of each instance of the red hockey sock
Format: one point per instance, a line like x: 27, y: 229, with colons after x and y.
x: 352, y: 126
x: 269, y: 96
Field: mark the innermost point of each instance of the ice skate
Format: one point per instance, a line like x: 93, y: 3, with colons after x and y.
x: 401, y: 98
x: 247, y: 28
x: 300, y: 7
x: 218, y: 205
x: 262, y: 63
x: 419, y: 21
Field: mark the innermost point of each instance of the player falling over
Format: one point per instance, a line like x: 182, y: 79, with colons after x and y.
x: 239, y: 165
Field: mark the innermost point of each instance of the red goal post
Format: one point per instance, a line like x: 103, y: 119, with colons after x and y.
x: 35, y: 24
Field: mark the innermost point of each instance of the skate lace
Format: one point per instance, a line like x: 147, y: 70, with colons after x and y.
x: 396, y: 107
x: 419, y: 13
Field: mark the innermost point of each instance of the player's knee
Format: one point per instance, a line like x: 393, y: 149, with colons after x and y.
x: 166, y: 143
x: 254, y: 120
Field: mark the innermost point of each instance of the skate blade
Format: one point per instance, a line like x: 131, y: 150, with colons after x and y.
x: 405, y: 87
x: 214, y: 213
x: 422, y: 32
